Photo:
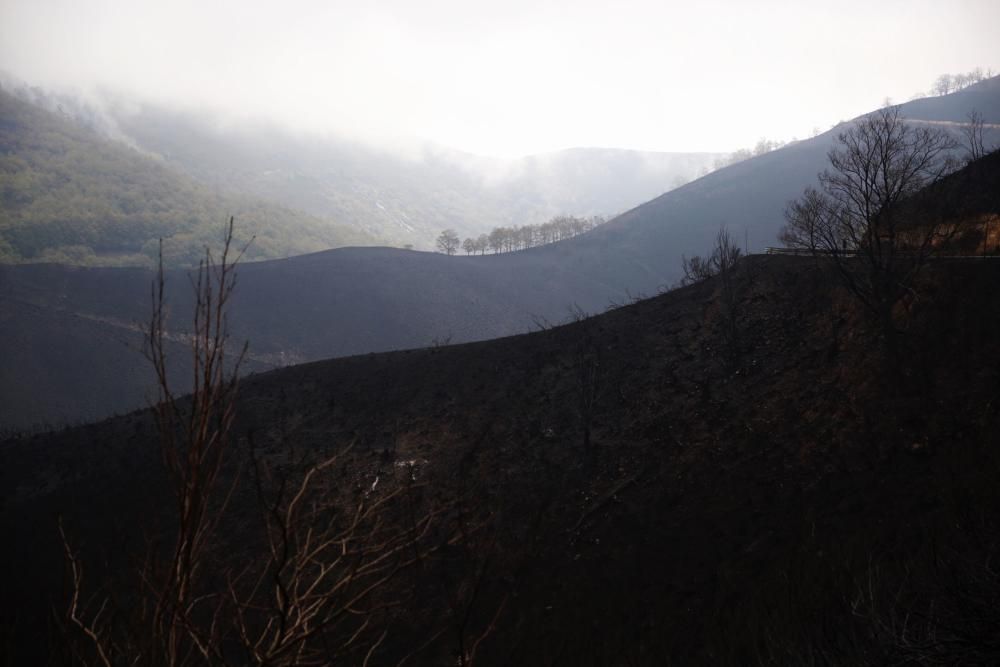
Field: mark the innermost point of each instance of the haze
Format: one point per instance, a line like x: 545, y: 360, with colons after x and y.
x: 508, y: 78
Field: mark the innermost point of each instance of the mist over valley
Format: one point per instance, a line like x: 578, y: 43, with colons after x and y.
x: 474, y: 334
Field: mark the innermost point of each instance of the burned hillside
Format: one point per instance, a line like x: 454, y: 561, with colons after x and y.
x: 632, y: 487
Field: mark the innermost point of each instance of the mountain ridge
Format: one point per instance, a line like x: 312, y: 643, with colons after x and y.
x: 402, y: 194
x: 353, y: 300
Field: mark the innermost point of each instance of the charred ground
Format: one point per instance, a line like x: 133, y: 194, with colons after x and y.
x: 646, y: 487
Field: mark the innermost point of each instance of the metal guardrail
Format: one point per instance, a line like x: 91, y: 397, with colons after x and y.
x: 806, y: 252
x: 810, y: 253
x: 787, y: 251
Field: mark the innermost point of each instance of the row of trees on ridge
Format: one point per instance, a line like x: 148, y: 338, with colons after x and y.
x: 951, y: 83
x: 510, y: 239
x: 763, y: 146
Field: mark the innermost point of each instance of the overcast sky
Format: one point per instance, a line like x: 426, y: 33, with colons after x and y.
x: 513, y: 76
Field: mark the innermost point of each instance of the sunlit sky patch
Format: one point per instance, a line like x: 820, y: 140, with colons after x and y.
x: 512, y: 77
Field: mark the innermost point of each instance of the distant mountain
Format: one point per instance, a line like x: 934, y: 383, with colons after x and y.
x: 69, y: 194
x: 404, y: 196
x: 356, y: 300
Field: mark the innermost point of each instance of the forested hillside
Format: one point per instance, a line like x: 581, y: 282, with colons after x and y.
x: 70, y: 195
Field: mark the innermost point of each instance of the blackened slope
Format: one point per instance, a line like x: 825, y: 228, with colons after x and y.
x: 719, y: 499
x: 77, y: 331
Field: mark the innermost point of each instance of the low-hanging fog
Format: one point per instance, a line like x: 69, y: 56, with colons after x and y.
x: 509, y: 78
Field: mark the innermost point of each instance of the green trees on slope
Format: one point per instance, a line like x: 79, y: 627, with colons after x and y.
x: 69, y: 195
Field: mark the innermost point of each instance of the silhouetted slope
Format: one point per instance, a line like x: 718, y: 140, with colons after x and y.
x: 304, y: 308
x: 726, y: 511
x: 356, y: 300
x: 49, y: 377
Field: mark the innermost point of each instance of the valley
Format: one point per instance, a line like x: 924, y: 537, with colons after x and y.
x: 472, y: 334
x: 358, y: 300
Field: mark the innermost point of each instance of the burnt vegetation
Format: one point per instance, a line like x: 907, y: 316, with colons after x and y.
x: 787, y: 460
